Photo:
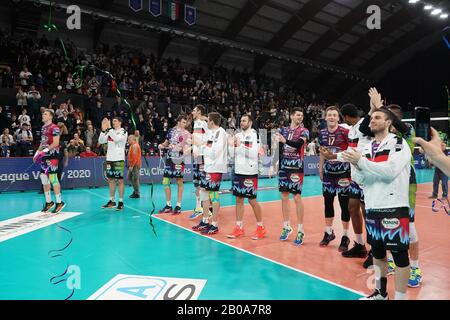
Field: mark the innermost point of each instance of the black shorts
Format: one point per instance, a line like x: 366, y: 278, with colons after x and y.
x: 355, y: 191
x: 245, y: 186
x: 173, y: 170
x: 114, y: 169
x: 334, y: 185
x: 198, y: 173
x: 388, y: 229
x: 290, y: 181
x: 211, y: 181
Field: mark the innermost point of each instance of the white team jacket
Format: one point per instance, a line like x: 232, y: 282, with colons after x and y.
x: 385, y: 174
x: 246, y: 155
x: 216, y: 151
x: 116, y: 143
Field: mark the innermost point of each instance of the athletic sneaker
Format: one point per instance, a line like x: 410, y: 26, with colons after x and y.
x: 166, y: 209
x: 135, y: 196
x: 415, y: 278
x: 197, y: 213
x: 259, y: 233
x: 59, y: 207
x: 119, y: 206
x: 237, y: 232
x: 369, y: 261
x: 391, y: 267
x: 358, y: 251
x: 176, y: 211
x: 345, y: 241
x: 48, y: 206
x: 285, y: 233
x: 376, y: 296
x: 109, y: 205
x: 327, y: 238
x: 210, y: 231
x: 299, y: 239
x: 201, y: 226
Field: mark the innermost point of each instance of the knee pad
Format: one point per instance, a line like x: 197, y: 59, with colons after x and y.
x: 44, y: 179
x: 53, y: 177
x: 401, y: 258
x: 329, y: 208
x: 413, y: 236
x: 166, y: 182
x: 214, y: 196
x: 379, y: 253
x: 204, y: 195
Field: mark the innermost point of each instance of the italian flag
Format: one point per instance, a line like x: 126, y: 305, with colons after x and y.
x: 174, y: 11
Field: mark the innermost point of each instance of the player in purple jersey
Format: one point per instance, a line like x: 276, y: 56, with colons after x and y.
x: 292, y: 141
x: 48, y: 156
x: 335, y: 177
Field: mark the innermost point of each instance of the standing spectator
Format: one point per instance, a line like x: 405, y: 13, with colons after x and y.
x: 312, y: 149
x: 8, y: 136
x: 440, y: 176
x: 34, y: 104
x: 15, y: 124
x: 91, y: 136
x: 135, y: 164
x: 24, y: 139
x: 76, y: 146
x: 7, y: 78
x: 5, y: 147
x: 22, y: 101
x: 4, y: 122
x: 232, y: 121
x: 25, y: 77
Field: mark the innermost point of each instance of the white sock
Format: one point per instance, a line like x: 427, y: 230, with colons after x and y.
x: 259, y: 224
x: 48, y: 196
x: 205, y: 220
x: 329, y: 230
x: 214, y: 224
x: 240, y: 224
x: 345, y: 232
x: 300, y: 228
x: 179, y: 204
x: 120, y: 199
x: 168, y: 203
x: 58, y: 197
x: 414, y: 263
x: 198, y: 202
x: 400, y: 295
x: 286, y: 224
x: 112, y: 199
x: 359, y: 239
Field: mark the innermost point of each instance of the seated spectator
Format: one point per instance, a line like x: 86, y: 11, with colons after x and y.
x: 8, y: 136
x: 76, y: 146
x: 24, y: 140
x: 22, y: 99
x: 88, y: 153
x: 5, y: 147
x: 15, y: 124
x: 91, y: 136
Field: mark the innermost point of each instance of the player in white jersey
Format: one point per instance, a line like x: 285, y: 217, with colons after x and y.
x: 116, y: 138
x: 199, y: 135
x: 244, y: 148
x: 351, y: 117
x: 215, y: 152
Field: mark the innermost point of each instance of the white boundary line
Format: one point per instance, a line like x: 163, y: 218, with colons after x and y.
x: 243, y: 250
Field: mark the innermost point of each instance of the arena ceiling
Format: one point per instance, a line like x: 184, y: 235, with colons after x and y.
x: 331, y: 33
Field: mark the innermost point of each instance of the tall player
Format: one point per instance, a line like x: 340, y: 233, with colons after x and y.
x: 244, y: 148
x: 356, y: 139
x: 199, y: 135
x: 177, y: 143
x: 216, y: 156
x: 292, y: 142
x: 335, y: 177
x: 48, y: 156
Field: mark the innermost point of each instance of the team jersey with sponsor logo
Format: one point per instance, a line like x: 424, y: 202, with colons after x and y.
x: 291, y: 157
x: 336, y: 142
x: 199, y: 134
x: 246, y: 154
x: 216, y: 151
x: 178, y: 139
x: 48, y: 132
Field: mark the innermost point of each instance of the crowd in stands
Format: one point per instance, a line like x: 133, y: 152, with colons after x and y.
x: 35, y: 66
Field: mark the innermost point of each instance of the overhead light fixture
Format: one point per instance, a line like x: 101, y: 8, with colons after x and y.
x: 428, y: 7
x: 436, y: 11
x: 443, y: 16
x: 413, y: 1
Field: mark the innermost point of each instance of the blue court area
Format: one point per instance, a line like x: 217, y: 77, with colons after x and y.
x: 107, y: 243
